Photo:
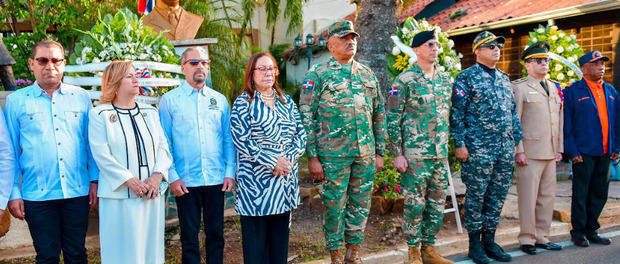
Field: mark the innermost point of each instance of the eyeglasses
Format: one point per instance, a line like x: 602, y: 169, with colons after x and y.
x: 43, y: 61
x: 265, y: 69
x: 540, y: 60
x: 195, y: 62
x: 492, y: 45
x: 432, y: 44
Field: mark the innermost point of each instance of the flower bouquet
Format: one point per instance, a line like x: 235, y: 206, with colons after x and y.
x: 563, y: 67
x: 123, y: 37
x: 402, y: 56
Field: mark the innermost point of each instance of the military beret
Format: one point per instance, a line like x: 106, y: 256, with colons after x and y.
x: 537, y: 50
x: 592, y: 56
x: 341, y: 29
x: 422, y: 37
x: 486, y: 37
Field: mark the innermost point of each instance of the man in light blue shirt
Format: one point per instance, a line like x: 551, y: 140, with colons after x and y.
x: 48, y: 124
x: 7, y: 164
x: 196, y: 121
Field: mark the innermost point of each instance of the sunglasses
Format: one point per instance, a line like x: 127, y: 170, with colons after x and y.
x: 195, y: 62
x: 492, y: 45
x: 265, y: 69
x: 432, y: 44
x: 43, y: 61
x: 540, y: 60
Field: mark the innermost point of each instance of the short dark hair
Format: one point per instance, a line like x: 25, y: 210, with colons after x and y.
x: 47, y: 43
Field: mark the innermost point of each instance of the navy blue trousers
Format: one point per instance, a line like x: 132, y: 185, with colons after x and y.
x: 265, y: 238
x: 57, y: 225
x: 590, y: 188
x: 207, y: 201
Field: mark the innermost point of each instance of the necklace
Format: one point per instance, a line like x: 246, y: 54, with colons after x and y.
x: 268, y: 97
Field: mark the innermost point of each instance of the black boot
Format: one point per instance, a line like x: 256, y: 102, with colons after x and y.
x: 476, y: 252
x: 492, y: 249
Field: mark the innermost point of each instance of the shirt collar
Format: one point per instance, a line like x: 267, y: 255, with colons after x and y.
x: 39, y: 91
x: 165, y: 12
x: 189, y: 90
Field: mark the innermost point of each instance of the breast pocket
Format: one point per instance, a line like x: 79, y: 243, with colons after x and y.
x: 31, y: 121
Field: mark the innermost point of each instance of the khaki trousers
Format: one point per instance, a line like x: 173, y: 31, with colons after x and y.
x: 536, y: 185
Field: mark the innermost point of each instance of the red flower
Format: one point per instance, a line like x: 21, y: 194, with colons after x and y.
x: 398, y: 188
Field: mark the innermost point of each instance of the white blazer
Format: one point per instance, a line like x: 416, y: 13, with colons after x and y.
x: 108, y: 134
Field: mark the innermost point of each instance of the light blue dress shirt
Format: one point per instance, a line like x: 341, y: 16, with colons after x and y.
x: 50, y: 140
x: 7, y: 163
x: 197, y: 125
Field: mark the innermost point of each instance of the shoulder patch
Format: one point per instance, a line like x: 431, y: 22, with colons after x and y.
x: 459, y: 92
x: 520, y: 80
x: 308, y: 85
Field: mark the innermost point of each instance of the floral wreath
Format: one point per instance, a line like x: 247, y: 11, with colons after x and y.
x: 564, y: 52
x: 402, y: 57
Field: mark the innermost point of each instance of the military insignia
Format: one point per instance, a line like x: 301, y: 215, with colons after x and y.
x: 308, y: 85
x: 113, y: 118
x: 394, y: 91
x: 459, y: 92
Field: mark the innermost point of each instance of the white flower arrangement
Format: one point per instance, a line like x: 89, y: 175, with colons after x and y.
x: 563, y: 44
x: 123, y: 36
x: 448, y: 59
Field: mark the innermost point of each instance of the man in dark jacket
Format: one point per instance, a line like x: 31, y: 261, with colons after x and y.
x: 591, y: 139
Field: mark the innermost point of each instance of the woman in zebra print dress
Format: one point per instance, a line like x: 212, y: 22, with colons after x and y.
x: 269, y: 137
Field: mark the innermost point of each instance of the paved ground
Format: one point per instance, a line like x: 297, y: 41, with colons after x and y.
x: 570, y: 254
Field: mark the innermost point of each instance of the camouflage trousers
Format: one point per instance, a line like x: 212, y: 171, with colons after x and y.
x: 487, y: 181
x: 346, y: 195
x: 424, y: 187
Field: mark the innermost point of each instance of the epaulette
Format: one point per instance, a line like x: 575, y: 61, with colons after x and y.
x: 520, y: 80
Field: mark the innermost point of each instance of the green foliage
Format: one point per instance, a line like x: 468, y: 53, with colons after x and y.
x: 292, y: 12
x: 387, y: 181
x: 20, y: 47
x: 561, y: 44
x: 229, y: 55
x: 122, y: 37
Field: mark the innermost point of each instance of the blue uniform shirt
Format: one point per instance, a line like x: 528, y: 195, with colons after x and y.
x: 197, y: 125
x: 7, y: 163
x: 50, y: 141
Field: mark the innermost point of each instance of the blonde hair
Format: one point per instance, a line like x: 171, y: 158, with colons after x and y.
x: 112, y: 77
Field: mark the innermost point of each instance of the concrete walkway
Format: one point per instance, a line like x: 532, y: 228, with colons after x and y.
x: 508, y: 230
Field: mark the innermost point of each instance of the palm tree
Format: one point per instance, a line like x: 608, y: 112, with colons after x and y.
x: 292, y: 12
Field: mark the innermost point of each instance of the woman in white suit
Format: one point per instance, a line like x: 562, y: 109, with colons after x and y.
x: 132, y: 154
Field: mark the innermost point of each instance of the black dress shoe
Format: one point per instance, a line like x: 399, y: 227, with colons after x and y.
x: 549, y: 246
x: 580, y: 241
x: 599, y: 239
x: 529, y: 249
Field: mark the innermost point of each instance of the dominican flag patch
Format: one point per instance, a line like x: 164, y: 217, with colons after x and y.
x: 393, y: 91
x: 560, y: 93
x: 308, y: 85
x: 459, y: 91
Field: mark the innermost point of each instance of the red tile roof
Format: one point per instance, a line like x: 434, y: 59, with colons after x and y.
x: 413, y: 9
x: 485, y: 11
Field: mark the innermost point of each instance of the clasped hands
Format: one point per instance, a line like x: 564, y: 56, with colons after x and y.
x: 148, y: 188
x: 283, y: 167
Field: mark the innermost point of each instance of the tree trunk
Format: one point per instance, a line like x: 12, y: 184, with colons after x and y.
x: 376, y: 22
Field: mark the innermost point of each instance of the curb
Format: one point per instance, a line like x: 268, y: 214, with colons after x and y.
x: 452, y: 246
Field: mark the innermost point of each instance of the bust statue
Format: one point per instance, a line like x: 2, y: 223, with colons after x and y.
x: 169, y: 15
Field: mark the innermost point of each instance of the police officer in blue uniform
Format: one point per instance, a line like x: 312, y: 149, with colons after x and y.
x: 486, y: 130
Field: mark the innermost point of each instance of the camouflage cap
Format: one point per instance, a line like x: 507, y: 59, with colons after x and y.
x: 341, y: 29
x: 486, y: 37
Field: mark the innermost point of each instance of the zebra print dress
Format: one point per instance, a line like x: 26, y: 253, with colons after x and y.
x: 261, y: 135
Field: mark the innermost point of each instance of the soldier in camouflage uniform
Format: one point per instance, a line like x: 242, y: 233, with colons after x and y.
x: 344, y: 114
x: 486, y: 130
x: 417, y: 122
